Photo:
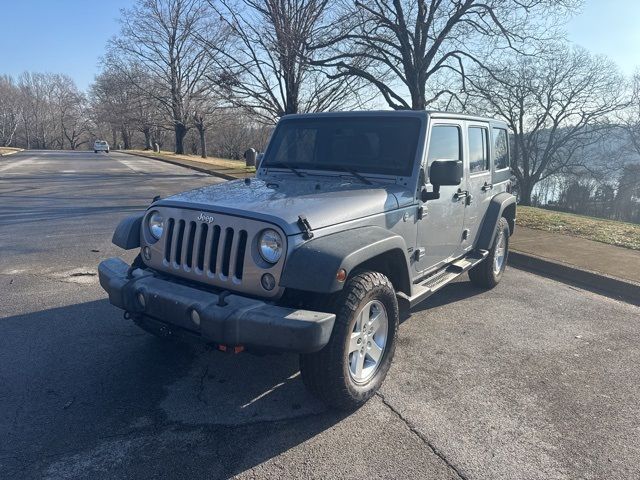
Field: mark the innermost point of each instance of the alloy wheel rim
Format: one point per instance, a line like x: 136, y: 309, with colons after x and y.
x: 501, y: 250
x: 368, y: 341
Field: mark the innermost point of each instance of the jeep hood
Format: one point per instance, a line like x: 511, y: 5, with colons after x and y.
x: 281, y: 201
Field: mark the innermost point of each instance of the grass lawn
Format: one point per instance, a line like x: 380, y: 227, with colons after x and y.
x: 612, y: 232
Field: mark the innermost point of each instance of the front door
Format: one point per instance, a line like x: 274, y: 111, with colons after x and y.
x: 478, y: 182
x: 440, y: 229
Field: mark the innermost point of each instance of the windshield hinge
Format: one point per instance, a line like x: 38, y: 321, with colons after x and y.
x: 304, y: 225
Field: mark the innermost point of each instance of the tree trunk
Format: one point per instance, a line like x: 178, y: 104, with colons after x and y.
x: 181, y: 131
x: 525, y: 188
x: 27, y: 135
x: 147, y: 138
x: 203, y: 142
x: 126, y: 139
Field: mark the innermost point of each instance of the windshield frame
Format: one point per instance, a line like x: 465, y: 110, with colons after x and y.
x: 422, y: 117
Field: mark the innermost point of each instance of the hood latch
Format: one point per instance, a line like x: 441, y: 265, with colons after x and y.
x: 304, y: 225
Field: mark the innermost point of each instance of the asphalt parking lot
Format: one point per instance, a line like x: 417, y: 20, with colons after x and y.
x: 534, y: 379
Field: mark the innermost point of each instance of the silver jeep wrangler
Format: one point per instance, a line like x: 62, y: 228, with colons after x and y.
x: 352, y: 217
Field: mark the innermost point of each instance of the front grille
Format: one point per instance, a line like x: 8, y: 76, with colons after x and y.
x: 209, y: 251
x: 220, y: 252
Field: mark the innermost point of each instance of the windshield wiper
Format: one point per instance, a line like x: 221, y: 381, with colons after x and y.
x: 352, y: 171
x: 284, y: 165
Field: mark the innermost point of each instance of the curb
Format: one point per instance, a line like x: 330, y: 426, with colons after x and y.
x: 185, y: 165
x: 617, y: 288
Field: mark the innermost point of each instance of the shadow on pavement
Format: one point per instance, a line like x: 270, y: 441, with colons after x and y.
x: 87, y: 394
x: 451, y: 293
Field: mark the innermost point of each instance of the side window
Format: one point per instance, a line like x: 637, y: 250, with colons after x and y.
x: 478, y: 149
x: 500, y: 149
x: 444, y: 143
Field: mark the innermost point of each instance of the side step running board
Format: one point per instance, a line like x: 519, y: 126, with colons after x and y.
x: 435, y: 282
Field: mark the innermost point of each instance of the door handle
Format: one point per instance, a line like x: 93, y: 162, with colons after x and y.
x: 461, y: 194
x: 487, y: 186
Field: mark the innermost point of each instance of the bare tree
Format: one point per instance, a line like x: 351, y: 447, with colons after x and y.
x: 37, y: 113
x: 52, y: 112
x: 557, y: 106
x: 405, y: 46
x: 205, y: 113
x: 233, y: 131
x: 159, y: 36
x: 119, y: 101
x: 630, y: 118
x: 10, y: 110
x: 266, y: 67
x: 69, y: 104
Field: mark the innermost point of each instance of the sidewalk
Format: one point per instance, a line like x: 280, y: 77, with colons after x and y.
x: 599, y: 267
x: 593, y: 256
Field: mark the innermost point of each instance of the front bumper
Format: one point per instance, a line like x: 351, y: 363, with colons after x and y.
x: 229, y: 319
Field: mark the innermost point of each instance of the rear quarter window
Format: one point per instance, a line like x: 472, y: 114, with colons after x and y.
x: 500, y: 149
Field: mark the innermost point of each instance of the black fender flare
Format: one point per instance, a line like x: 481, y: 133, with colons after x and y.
x: 502, y: 205
x: 127, y: 233
x: 313, y: 266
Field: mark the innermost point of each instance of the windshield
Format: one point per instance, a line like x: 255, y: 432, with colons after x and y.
x: 382, y: 145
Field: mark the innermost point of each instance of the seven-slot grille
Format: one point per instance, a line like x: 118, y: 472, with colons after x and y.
x: 205, y: 249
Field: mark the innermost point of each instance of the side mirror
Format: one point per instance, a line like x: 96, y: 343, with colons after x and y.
x: 445, y: 172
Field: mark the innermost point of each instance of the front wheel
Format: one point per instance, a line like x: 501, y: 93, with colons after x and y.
x: 349, y: 370
x: 488, y: 273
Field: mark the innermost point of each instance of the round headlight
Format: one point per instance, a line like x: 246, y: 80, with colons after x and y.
x: 156, y: 225
x: 270, y: 246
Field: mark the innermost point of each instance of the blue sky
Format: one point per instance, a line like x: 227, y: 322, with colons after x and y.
x: 69, y: 36
x: 61, y: 36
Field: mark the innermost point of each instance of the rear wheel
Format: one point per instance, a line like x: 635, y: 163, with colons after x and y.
x: 349, y: 370
x: 95, y: 151
x: 488, y: 273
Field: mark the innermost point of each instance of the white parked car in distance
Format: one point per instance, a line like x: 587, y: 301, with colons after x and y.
x: 100, y: 146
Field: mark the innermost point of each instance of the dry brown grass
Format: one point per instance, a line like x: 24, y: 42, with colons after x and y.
x: 7, y: 150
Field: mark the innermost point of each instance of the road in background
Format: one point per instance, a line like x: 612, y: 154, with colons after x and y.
x: 534, y: 379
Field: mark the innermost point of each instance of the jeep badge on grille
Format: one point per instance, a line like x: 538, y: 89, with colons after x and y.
x: 203, y: 217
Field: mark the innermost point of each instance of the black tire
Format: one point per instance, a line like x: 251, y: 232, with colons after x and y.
x: 95, y: 151
x: 327, y: 373
x: 484, y: 275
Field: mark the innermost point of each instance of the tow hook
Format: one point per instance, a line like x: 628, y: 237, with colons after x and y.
x: 222, y: 297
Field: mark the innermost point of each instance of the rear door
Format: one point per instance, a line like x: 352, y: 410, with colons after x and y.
x: 478, y: 172
x: 439, y: 236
